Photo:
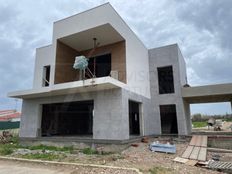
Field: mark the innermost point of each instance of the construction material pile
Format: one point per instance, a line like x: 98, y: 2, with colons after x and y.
x: 5, y: 137
x: 81, y: 62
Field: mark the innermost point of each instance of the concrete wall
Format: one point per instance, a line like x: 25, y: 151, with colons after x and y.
x: 43, y: 58
x: 161, y: 57
x: 182, y: 68
x: 109, y: 121
x: 148, y: 120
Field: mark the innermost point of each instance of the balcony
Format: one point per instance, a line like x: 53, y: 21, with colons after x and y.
x: 103, y: 83
x: 106, y: 58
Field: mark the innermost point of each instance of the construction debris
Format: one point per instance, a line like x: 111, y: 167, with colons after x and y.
x: 144, y: 140
x: 220, y: 165
x: 135, y: 145
x: 216, y: 157
x: 158, y: 147
x: 5, y: 137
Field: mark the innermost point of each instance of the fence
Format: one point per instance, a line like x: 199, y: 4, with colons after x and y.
x: 9, y: 125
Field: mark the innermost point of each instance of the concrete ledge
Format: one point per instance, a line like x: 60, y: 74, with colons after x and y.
x: 68, y: 164
x: 71, y: 140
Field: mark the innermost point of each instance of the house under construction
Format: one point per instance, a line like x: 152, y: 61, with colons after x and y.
x: 118, y: 90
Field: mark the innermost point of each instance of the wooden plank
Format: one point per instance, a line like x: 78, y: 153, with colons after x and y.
x: 187, y: 152
x: 199, y: 140
x: 193, y: 140
x: 204, y: 141
x: 180, y: 160
x: 202, y: 154
x: 195, y: 152
x: 191, y: 162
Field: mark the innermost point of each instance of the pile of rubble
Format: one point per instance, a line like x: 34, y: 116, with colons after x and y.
x: 5, y: 137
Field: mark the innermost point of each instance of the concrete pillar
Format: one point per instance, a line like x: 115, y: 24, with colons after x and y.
x: 188, y: 117
x: 231, y: 105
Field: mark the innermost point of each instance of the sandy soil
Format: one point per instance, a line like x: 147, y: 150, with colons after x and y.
x: 142, y: 158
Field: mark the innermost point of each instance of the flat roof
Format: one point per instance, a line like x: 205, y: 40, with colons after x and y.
x: 208, y: 93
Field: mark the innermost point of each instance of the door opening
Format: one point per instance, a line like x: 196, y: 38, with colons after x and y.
x: 168, y: 119
x: 134, y: 118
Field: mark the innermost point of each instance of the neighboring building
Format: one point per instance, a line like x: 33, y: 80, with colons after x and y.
x: 9, y: 119
x: 136, y: 91
x: 10, y: 115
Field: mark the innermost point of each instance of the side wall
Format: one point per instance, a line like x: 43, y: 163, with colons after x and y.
x: 43, y: 58
x: 148, y: 120
x: 65, y: 57
x: 161, y: 57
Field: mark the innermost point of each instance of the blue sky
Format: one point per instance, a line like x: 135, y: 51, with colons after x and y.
x: 201, y: 28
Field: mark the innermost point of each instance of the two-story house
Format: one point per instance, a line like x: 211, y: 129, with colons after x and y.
x: 133, y: 91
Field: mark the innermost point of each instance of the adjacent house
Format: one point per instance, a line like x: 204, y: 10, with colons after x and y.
x: 9, y: 119
x: 128, y: 90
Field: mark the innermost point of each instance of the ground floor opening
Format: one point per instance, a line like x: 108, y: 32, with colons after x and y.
x: 67, y: 119
x: 134, y: 118
x: 168, y: 119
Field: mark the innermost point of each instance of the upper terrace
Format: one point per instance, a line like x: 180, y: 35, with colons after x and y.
x: 107, y: 59
x: 119, y: 59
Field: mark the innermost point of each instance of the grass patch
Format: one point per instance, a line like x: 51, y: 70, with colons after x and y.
x: 228, y: 119
x: 6, y: 150
x: 89, y: 151
x: 199, y: 124
x: 42, y: 156
x: 160, y: 170
x: 52, y: 148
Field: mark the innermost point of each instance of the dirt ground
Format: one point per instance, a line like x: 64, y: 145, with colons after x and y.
x: 143, y: 159
x: 226, y: 127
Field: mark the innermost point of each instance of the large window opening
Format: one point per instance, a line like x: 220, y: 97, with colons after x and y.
x: 165, y: 78
x: 46, y: 75
x: 100, y: 65
x: 168, y: 119
x: 71, y: 118
x: 211, y: 117
x: 134, y: 118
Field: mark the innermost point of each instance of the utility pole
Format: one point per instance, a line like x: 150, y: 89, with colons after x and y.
x: 16, y: 104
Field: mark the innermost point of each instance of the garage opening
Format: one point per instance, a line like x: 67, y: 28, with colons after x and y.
x: 69, y: 118
x: 168, y: 119
x: 134, y: 118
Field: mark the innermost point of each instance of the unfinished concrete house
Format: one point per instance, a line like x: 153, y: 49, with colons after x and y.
x: 128, y: 90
